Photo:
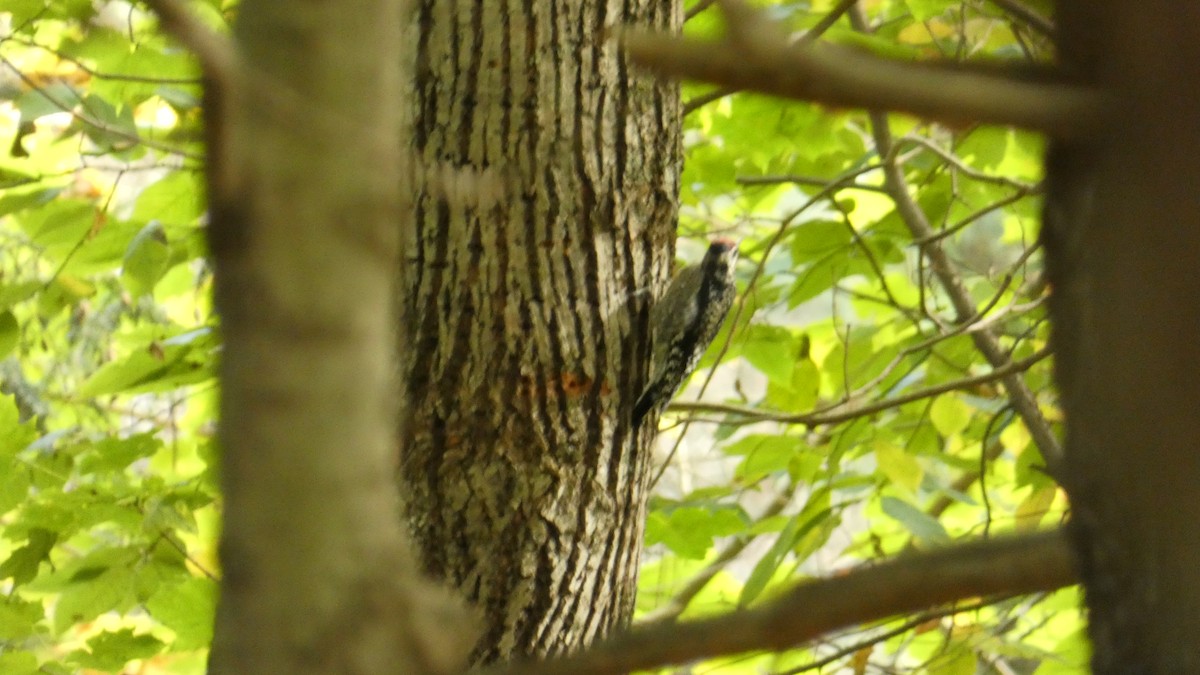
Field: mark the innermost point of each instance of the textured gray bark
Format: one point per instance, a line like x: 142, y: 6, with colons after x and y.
x: 520, y: 478
x: 303, y: 188
x: 1123, y: 240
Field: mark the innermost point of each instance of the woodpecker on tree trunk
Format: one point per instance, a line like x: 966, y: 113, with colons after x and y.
x: 684, y: 321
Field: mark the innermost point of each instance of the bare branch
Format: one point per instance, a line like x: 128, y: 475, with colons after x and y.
x: 1014, y: 565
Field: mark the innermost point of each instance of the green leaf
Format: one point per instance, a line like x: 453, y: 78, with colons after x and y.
x: 146, y: 260
x: 177, y: 199
x: 764, y: 455
x: 916, y: 521
x: 114, y: 454
x: 22, y: 565
x: 153, y: 369
x: 10, y: 334
x: 689, y: 531
x: 814, y: 514
x: 60, y: 226
x: 1072, y: 655
x: 14, y: 488
x: 961, y: 661
x: 1034, y: 508
x: 801, y: 392
x: 113, y: 129
x: 819, y: 239
x: 41, y: 101
x: 22, y: 11
x: 19, y: 619
x: 14, y: 436
x: 17, y: 662
x: 13, y: 200
x: 11, y: 294
x: 770, y: 349
x: 89, y: 598
x: 950, y: 416
x: 112, y: 650
x: 923, y: 10
x: 985, y: 147
x: 903, y: 469
x: 187, y: 609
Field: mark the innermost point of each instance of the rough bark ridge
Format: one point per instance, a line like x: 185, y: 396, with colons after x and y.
x: 1123, y: 240
x: 520, y: 478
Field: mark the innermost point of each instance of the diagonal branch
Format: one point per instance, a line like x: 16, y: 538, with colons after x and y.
x: 848, y: 78
x: 1014, y: 565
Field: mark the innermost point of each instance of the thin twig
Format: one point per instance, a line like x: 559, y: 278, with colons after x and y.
x: 95, y: 123
x: 99, y: 74
x: 848, y: 411
x: 956, y: 162
x: 803, y: 180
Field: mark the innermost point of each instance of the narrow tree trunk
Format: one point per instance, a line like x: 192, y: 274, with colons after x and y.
x: 1123, y: 243
x: 303, y: 182
x: 520, y: 476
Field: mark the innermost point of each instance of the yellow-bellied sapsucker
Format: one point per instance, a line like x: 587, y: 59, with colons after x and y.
x: 684, y: 321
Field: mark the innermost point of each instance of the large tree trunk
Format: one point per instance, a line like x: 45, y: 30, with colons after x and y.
x: 522, y: 480
x: 1123, y: 240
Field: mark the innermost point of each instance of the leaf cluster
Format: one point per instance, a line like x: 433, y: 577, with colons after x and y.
x: 107, y: 500
x: 847, y: 413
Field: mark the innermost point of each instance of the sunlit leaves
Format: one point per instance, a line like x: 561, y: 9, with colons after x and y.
x: 22, y: 565
x: 90, y: 532
x: 146, y: 259
x: 187, y: 608
x: 689, y: 531
x: 851, y: 349
x: 112, y: 650
x: 803, y: 534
